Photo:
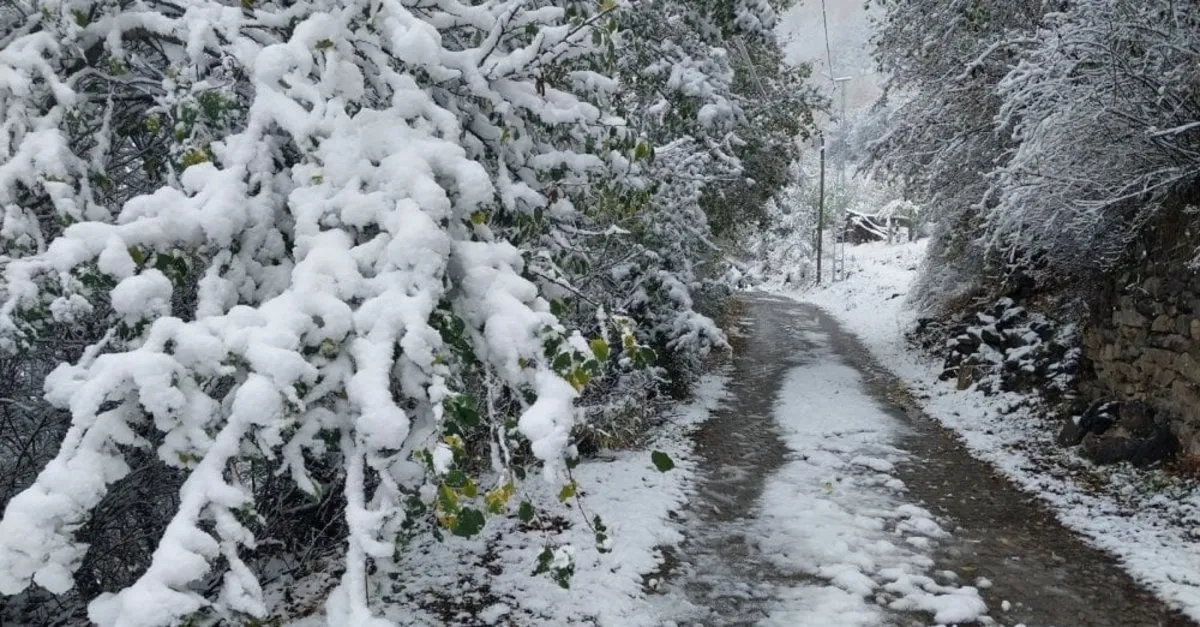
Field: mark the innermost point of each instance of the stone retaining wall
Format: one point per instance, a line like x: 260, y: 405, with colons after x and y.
x: 1147, y: 348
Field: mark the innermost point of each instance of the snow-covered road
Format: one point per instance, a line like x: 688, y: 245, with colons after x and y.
x: 838, y: 512
x: 824, y: 503
x: 802, y: 520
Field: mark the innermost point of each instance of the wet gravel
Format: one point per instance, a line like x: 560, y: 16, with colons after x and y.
x: 1048, y: 575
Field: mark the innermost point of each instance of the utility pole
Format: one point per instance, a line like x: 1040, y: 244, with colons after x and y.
x: 821, y: 209
x: 841, y: 83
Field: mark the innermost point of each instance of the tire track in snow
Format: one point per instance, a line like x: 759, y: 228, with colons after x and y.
x: 797, y: 520
x: 837, y: 512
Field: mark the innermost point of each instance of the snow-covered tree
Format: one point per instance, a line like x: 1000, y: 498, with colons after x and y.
x: 943, y: 60
x: 1105, y: 110
x: 778, y: 105
x: 341, y: 264
x: 716, y: 112
x: 1042, y: 136
x: 314, y: 271
x: 785, y: 250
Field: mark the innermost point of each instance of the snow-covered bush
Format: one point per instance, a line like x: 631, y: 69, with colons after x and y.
x: 785, y: 251
x: 1041, y: 136
x: 1105, y: 110
x: 327, y: 274
x: 944, y: 60
x: 314, y: 271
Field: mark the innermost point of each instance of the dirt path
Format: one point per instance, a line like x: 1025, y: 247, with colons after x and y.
x: 720, y: 575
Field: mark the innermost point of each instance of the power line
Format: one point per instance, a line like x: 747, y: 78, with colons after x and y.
x: 821, y: 196
x: 737, y: 39
x: 828, y: 52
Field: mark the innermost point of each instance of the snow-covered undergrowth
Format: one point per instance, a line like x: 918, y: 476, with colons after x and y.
x: 837, y: 513
x: 486, y: 579
x: 1147, y: 520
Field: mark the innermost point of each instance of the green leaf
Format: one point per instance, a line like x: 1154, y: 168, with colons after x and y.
x: 211, y: 104
x: 662, y: 461
x: 193, y: 157
x: 544, y: 560
x: 462, y: 409
x: 468, y: 523
x: 456, y: 479
x: 599, y: 349
x: 567, y: 492
x: 450, y: 428
x: 447, y: 499
x: 525, y: 511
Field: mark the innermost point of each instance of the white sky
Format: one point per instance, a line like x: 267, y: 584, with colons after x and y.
x: 849, y: 35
